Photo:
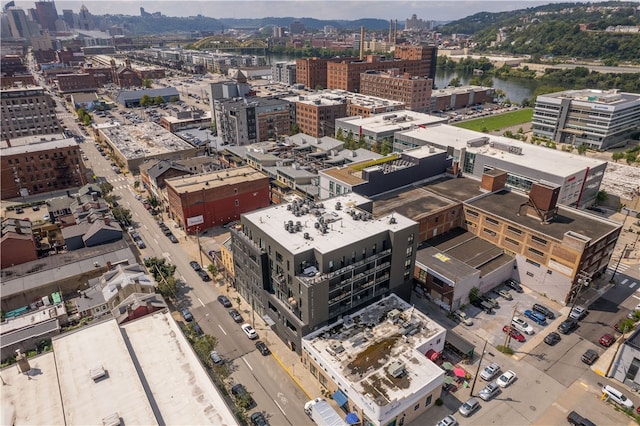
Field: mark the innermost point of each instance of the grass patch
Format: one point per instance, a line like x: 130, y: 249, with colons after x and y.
x: 499, y: 121
x: 505, y: 349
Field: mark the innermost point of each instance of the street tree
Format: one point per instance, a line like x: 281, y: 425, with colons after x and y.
x: 105, y: 188
x: 122, y: 215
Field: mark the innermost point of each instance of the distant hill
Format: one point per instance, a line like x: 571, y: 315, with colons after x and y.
x: 309, y: 23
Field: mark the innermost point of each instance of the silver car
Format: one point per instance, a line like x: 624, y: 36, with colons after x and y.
x: 489, y: 391
x: 469, y: 407
x: 448, y: 421
x: 490, y: 371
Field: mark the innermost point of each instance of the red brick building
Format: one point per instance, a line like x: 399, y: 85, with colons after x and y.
x: 69, y: 83
x: 213, y: 199
x: 316, y: 117
x: 17, y: 244
x: 460, y: 97
x: 312, y: 72
x: 414, y: 92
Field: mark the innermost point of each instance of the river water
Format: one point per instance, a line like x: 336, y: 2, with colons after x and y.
x: 516, y: 89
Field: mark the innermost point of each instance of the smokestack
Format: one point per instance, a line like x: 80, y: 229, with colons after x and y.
x: 395, y: 33
x: 361, y: 43
x: 390, y: 30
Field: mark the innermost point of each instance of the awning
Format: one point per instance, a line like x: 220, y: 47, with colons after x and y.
x: 352, y: 419
x: 460, y: 345
x: 432, y: 355
x: 340, y: 398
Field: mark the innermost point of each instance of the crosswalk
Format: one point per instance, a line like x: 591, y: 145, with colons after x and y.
x: 621, y: 267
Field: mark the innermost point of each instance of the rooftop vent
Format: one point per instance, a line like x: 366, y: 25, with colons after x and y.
x: 97, y: 374
x: 396, y: 369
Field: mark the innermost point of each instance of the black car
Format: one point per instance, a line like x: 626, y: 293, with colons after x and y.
x: 195, y: 265
x: 173, y: 239
x: 567, y: 326
x: 225, y: 301
x: 543, y: 310
x: 264, y: 350
x: 576, y: 419
x: 203, y: 274
x: 257, y: 419
x: 186, y: 315
x: 236, y: 315
x: 589, y: 357
x: 552, y: 338
x: 197, y: 329
x: 243, y: 397
x: 514, y: 285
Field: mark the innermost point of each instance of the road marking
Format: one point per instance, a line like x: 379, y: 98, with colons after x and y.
x: 248, y: 365
x: 145, y: 227
x: 200, y: 301
x: 222, y: 329
x: 560, y: 407
x: 135, y: 213
x: 155, y: 241
x: 637, y: 297
x: 633, y: 284
x: 584, y: 385
x: 624, y: 281
x: 280, y: 407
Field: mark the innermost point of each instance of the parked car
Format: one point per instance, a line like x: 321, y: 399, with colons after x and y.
x: 552, y: 338
x: 505, y: 294
x: 607, y: 340
x: 522, y: 325
x: 257, y: 419
x: 203, y: 275
x: 186, y: 315
x: 489, y: 391
x: 242, y: 396
x: 462, y: 317
x: 616, y: 396
x: 249, y: 331
x: 224, y: 301
x: 490, y: 300
x: 543, y: 310
x: 506, y: 379
x: 215, y: 357
x: 264, y: 350
x: 469, y: 407
x: 140, y: 243
x: 577, y: 313
x: 173, y: 239
x: 482, y: 304
x: 576, y: 419
x: 490, y: 371
x: 235, y: 315
x: 567, y: 326
x: 514, y: 285
x: 195, y: 265
x: 536, y: 317
x: 515, y: 334
x: 590, y: 356
x: 448, y: 421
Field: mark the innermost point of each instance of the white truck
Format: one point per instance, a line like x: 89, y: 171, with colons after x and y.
x: 322, y: 413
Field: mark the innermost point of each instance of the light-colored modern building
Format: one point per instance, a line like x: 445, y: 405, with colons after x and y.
x: 374, y: 362
x: 143, y: 372
x: 600, y: 119
x: 303, y: 265
x: 27, y: 111
x: 244, y: 121
x: 579, y: 177
x: 284, y: 72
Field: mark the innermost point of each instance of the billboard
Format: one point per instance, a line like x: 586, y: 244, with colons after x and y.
x: 195, y: 220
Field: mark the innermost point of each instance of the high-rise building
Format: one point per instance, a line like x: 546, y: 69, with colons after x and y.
x: 284, y: 72
x: 19, y: 25
x: 250, y: 120
x: 303, y: 265
x: 47, y: 15
x: 85, y: 19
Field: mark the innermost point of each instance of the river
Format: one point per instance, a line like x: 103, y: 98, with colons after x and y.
x: 516, y: 89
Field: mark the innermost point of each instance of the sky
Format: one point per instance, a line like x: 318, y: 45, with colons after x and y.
x: 328, y: 9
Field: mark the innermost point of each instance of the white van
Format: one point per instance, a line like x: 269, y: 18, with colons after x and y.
x: 616, y: 396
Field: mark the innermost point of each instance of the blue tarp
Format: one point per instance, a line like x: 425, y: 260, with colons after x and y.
x: 340, y: 398
x: 352, y: 419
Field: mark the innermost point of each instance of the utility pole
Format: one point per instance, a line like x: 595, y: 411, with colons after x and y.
x: 510, y: 326
x: 615, y: 271
x: 473, y: 385
x: 584, y: 279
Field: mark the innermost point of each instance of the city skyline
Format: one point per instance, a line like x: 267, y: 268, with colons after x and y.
x: 350, y: 10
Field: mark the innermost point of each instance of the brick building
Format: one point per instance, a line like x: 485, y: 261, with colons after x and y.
x: 316, y: 116
x: 312, y: 72
x: 34, y: 166
x: 460, y: 97
x: 213, y: 199
x: 17, y: 244
x: 27, y: 111
x: 414, y: 92
x: 69, y: 83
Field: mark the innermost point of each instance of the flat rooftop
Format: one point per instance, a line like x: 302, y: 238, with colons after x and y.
x: 395, y: 121
x: 613, y: 98
x: 340, y: 96
x: 144, y: 140
x: 341, y: 228
x: 457, y: 189
x: 448, y: 91
x: 506, y: 204
x: 414, y: 203
x: 36, y: 144
x: 233, y: 176
x: 545, y: 160
x: 363, y: 346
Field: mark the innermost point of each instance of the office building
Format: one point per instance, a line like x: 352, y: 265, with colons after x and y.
x: 250, y: 120
x: 387, y: 377
x: 315, y: 115
x: 35, y: 166
x: 47, y: 15
x: 303, y: 265
x: 413, y: 92
x: 599, y: 119
x: 312, y: 72
x: 27, y: 111
x: 198, y: 202
x: 19, y: 26
x: 284, y: 72
x: 578, y: 177
x: 460, y: 97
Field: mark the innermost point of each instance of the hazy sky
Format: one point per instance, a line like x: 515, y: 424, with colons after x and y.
x: 328, y: 9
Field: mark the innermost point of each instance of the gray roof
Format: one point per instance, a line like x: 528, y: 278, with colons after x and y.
x: 90, y: 298
x: 41, y: 329
x: 75, y: 230
x: 134, y: 95
x: 163, y: 166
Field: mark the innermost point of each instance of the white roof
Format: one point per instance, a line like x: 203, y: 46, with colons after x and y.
x: 391, y: 121
x: 29, y: 144
x: 342, y: 229
x: 546, y: 160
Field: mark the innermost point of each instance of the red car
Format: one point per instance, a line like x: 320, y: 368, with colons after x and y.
x: 606, y: 340
x: 515, y: 334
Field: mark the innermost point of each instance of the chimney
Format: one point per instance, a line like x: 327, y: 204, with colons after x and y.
x: 493, y: 180
x: 390, y: 30
x: 95, y: 196
x: 107, y: 221
x: 108, y: 265
x: 395, y: 33
x: 361, y: 43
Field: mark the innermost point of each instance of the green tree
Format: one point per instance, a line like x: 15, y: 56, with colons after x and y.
x: 136, y: 184
x: 340, y: 134
x: 294, y: 129
x: 105, y: 188
x: 203, y: 345
x: 387, y: 146
x: 474, y: 294
x: 582, y: 149
x: 145, y: 101
x: 617, y: 156
x: 147, y: 83
x: 159, y: 268
x: 213, y: 269
x: 122, y: 215
x: 86, y: 120
x: 455, y: 82
x: 167, y: 287
x: 361, y: 142
x: 602, y: 196
x: 630, y: 157
x: 349, y: 142
x: 154, y: 201
x: 158, y: 100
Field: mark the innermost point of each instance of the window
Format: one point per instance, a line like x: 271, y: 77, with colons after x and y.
x: 536, y: 252
x: 428, y: 401
x: 472, y: 213
x: 492, y: 221
x: 514, y: 242
x: 514, y: 230
x: 489, y: 231
x: 416, y: 407
x: 539, y: 240
x: 536, y: 264
x: 237, y: 202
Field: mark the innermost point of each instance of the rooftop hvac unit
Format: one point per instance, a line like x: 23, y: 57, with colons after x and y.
x: 97, y: 373
x: 396, y: 369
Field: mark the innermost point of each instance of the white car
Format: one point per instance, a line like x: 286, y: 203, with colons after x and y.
x: 490, y: 371
x: 577, y: 313
x: 506, y: 379
x: 448, y: 421
x: 616, y: 396
x: 249, y: 331
x: 521, y: 325
x: 463, y: 318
